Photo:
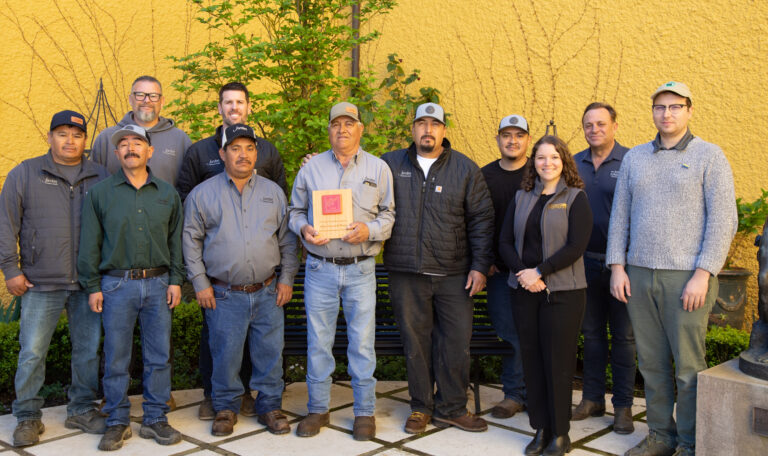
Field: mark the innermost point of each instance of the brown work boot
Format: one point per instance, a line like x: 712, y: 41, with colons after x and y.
x: 247, y: 405
x: 622, y: 420
x: 364, y: 428
x: 467, y: 422
x: 417, y: 423
x: 312, y: 423
x: 224, y: 423
x: 27, y: 433
x: 587, y: 408
x: 205, y: 412
x: 506, y: 408
x: 275, y: 421
x: 113, y: 437
x: 171, y: 403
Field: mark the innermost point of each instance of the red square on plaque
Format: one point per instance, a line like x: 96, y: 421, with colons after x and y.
x: 331, y: 204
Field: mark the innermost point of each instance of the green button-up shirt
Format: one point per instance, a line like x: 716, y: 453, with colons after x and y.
x: 127, y: 228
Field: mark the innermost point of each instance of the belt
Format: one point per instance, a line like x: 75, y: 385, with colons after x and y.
x: 343, y: 261
x: 595, y: 256
x: 248, y: 288
x: 137, y: 274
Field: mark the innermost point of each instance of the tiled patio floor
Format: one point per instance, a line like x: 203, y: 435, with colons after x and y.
x: 504, y: 437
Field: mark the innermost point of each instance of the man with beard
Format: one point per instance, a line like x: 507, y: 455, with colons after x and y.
x: 130, y: 262
x: 235, y: 236
x: 503, y: 178
x: 201, y: 162
x: 170, y: 143
x: 440, y: 250
x: 202, y: 159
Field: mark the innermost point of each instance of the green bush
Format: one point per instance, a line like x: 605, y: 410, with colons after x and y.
x: 724, y: 344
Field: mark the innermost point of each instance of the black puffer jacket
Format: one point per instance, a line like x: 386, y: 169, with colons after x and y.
x: 444, y: 223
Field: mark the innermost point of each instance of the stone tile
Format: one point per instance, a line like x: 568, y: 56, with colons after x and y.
x: 488, y: 398
x: 583, y: 428
x: 186, y: 397
x: 394, y: 452
x: 577, y: 452
x: 638, y: 405
x: 382, y: 387
x: 295, y: 397
x: 519, y: 421
x: 390, y: 419
x: 455, y: 442
x: 87, y: 444
x: 205, y: 453
x: 186, y: 421
x: 327, y: 442
x: 618, y: 444
x: 53, y: 419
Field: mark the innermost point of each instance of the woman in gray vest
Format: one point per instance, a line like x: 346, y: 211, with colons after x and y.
x: 544, y: 235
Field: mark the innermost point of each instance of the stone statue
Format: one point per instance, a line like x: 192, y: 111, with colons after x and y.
x: 754, y: 360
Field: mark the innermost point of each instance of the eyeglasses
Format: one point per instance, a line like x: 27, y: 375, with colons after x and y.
x: 673, y: 108
x: 141, y: 96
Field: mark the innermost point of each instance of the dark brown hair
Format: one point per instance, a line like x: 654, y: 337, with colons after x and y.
x: 570, y: 172
x: 600, y: 105
x: 238, y: 86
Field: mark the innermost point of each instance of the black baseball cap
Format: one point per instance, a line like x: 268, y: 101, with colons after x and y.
x: 68, y: 117
x: 237, y: 131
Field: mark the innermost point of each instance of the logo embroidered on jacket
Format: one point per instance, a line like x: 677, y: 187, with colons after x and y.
x: 405, y: 174
x: 439, y: 189
x: 558, y: 206
x: 171, y: 152
x: 615, y: 174
x: 50, y: 181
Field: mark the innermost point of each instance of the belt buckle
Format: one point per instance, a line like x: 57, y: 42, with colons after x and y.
x: 136, y: 274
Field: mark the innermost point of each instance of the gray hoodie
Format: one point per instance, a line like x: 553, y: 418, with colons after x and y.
x: 170, y: 145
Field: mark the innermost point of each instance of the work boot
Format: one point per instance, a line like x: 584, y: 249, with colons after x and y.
x: 364, y: 428
x: 417, y: 423
x: 539, y: 442
x: 224, y: 423
x: 27, y: 433
x: 558, y: 446
x: 91, y: 422
x: 587, y: 408
x: 205, y: 412
x: 275, y: 421
x: 622, y: 420
x: 651, y: 445
x: 312, y: 423
x: 507, y: 408
x: 113, y: 437
x: 247, y: 405
x: 467, y: 422
x: 161, y: 431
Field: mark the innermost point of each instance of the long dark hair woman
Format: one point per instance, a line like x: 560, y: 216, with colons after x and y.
x: 545, y: 233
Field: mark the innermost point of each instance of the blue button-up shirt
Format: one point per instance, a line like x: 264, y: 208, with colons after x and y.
x: 599, y: 184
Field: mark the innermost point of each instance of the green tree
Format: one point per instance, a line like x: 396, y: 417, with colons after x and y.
x: 295, y: 48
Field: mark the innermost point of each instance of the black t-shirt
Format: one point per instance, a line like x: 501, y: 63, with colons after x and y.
x: 502, y: 185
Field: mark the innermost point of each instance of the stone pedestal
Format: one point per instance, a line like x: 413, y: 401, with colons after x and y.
x: 725, y: 412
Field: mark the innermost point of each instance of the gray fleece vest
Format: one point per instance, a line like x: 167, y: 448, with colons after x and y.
x: 554, y: 234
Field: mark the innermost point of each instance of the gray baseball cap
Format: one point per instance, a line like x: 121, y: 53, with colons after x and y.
x: 128, y: 130
x: 514, y: 120
x: 432, y: 110
x: 677, y: 88
x: 344, y: 108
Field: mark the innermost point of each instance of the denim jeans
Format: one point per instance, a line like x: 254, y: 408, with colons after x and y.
x: 602, y: 309
x: 434, y: 314
x: 670, y: 349
x: 503, y: 320
x: 355, y: 286
x: 256, y: 315
x: 205, y: 362
x: 40, y: 312
x: 124, y: 301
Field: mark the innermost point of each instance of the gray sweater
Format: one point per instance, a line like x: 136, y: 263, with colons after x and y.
x: 673, y: 209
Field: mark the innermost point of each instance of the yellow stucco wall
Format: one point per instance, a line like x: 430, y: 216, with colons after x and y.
x: 543, y: 59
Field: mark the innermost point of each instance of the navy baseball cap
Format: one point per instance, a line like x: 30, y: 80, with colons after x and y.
x: 68, y: 117
x: 237, y: 131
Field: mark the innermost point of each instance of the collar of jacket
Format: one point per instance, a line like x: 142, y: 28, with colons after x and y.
x: 446, y: 145
x: 538, y: 187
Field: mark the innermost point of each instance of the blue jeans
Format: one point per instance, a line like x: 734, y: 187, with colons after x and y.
x: 124, y: 301
x: 256, y: 315
x: 670, y: 349
x: 355, y: 286
x: 40, y: 312
x: 503, y: 320
x: 602, y: 309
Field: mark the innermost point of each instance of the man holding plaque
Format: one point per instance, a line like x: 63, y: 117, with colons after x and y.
x: 348, y: 188
x: 441, y: 249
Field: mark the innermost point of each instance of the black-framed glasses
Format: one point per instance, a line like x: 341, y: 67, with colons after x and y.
x: 673, y: 108
x: 141, y: 96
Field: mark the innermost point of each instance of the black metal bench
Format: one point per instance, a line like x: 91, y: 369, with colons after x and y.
x: 484, y: 342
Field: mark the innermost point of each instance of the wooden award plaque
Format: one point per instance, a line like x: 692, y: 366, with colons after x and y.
x: 332, y: 212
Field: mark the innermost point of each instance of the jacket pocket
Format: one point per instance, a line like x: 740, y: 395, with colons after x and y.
x: 30, y: 250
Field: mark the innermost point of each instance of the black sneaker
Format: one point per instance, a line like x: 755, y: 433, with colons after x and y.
x: 161, y: 431
x: 114, y: 436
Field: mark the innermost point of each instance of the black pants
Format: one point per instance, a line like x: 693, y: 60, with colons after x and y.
x: 548, y: 326
x: 206, y: 362
x: 435, y: 319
